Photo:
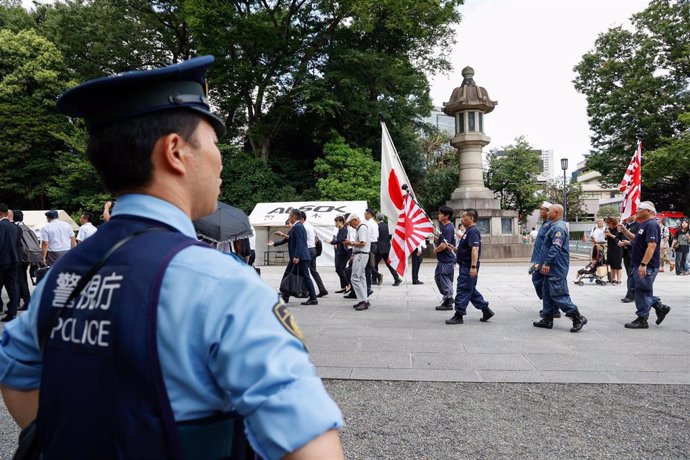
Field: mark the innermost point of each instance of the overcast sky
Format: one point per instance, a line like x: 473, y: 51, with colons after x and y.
x: 523, y: 52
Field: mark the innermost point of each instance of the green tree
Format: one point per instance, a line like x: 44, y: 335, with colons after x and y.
x: 637, y: 80
x: 13, y: 17
x: 667, y: 169
x: 346, y: 173
x: 553, y: 192
x: 609, y: 210
x: 282, y: 61
x: 513, y: 177
x: 440, y: 170
x: 247, y: 181
x: 32, y: 75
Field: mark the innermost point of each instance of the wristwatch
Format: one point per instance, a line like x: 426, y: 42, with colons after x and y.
x: 473, y: 266
x: 643, y: 265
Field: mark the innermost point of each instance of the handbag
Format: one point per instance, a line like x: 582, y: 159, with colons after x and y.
x: 319, y: 247
x: 292, y: 284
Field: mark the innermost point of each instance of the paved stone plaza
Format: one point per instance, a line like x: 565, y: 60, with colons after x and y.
x: 402, y: 337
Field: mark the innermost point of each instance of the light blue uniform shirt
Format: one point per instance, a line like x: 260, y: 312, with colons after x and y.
x: 221, y: 345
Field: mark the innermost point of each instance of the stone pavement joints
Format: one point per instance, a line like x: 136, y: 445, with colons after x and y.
x: 402, y: 337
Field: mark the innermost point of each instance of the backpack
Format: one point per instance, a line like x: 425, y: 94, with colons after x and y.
x: 31, y: 248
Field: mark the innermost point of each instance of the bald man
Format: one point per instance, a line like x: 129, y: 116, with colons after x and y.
x: 553, y: 264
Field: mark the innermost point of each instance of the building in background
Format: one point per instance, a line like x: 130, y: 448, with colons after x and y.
x: 441, y: 121
x: 594, y: 193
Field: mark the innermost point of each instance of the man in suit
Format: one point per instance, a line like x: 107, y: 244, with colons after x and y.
x: 299, y: 254
x: 9, y: 261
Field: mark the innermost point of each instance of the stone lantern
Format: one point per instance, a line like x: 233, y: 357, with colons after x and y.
x: 468, y: 104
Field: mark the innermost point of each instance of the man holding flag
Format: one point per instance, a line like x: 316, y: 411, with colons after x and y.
x: 445, y: 256
x: 399, y: 205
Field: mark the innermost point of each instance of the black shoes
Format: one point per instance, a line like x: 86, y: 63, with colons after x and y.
x: 546, y: 323
x: 8, y: 318
x: 351, y: 295
x: 447, y: 304
x: 456, y: 319
x: 397, y: 282
x: 661, y: 312
x: 488, y: 313
x: 639, y: 323
x: 370, y: 292
x: 627, y: 300
x: 341, y: 291
x: 379, y: 279
x: 285, y: 298
x: 417, y: 282
x: 322, y: 294
x: 362, y: 306
x: 578, y: 322
x: 311, y: 302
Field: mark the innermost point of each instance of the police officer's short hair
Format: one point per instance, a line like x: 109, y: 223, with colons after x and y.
x: 121, y: 152
x: 88, y: 216
x: 472, y: 213
x: 446, y: 211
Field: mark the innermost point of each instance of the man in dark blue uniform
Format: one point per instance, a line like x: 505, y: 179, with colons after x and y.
x: 537, y: 277
x: 644, y: 261
x: 445, y: 258
x: 469, y: 251
x: 554, y: 264
x: 144, y: 342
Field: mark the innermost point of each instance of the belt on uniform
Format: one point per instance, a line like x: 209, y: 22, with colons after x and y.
x: 355, y: 253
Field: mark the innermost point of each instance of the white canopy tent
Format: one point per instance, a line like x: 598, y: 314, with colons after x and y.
x: 269, y: 217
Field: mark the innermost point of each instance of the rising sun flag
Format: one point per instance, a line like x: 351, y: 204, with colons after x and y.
x: 399, y: 205
x: 631, y: 184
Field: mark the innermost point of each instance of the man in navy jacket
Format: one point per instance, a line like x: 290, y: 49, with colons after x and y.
x: 299, y: 254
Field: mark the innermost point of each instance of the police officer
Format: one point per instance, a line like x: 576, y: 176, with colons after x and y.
x: 170, y: 349
x: 553, y: 264
x: 469, y: 251
x: 644, y: 261
x: 537, y: 277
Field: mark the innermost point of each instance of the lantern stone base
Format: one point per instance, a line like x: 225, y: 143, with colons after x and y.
x: 499, y: 227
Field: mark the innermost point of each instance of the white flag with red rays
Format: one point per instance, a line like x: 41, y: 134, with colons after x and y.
x: 413, y: 225
x: 631, y: 184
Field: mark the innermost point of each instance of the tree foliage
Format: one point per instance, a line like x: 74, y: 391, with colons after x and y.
x: 637, y: 81
x: 440, y: 170
x: 33, y: 134
x: 513, y: 178
x: 667, y: 169
x: 346, y: 173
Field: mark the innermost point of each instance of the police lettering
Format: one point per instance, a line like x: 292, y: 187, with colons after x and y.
x: 91, y: 332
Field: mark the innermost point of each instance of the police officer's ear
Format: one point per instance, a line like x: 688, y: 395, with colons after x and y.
x: 172, y: 154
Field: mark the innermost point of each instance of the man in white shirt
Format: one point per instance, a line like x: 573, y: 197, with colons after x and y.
x: 361, y: 247
x: 57, y: 238
x: 373, y: 276
x: 252, y: 246
x: 311, y: 245
x: 87, y: 229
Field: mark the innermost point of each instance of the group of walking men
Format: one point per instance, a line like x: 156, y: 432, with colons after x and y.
x: 550, y: 263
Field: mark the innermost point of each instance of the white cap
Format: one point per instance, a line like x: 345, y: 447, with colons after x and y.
x: 546, y: 205
x: 352, y: 217
x: 648, y: 205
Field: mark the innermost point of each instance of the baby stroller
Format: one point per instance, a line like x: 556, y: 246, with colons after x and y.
x: 597, y: 269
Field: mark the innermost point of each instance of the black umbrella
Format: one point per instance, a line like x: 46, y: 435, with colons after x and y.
x: 226, y: 224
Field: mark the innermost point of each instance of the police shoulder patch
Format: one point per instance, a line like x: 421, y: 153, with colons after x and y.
x: 558, y: 234
x: 288, y: 320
